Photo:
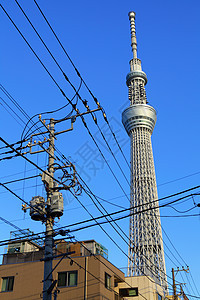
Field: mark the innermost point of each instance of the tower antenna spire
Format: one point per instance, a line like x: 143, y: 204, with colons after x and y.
x: 146, y: 253
x: 133, y: 33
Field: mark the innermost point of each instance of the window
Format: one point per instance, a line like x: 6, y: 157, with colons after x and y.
x: 132, y: 292
x: 7, y: 284
x: 67, y: 278
x: 72, y: 278
x: 62, y: 279
x: 107, y: 281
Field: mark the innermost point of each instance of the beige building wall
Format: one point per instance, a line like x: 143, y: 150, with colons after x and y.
x: 147, y: 288
x: 28, y: 278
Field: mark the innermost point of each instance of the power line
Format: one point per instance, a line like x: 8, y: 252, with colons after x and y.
x: 33, y: 236
x: 79, y: 75
x: 111, y: 218
x: 13, y: 101
x: 133, y: 207
x: 104, y: 231
x: 26, y: 115
x: 84, y: 102
x: 40, y: 168
x: 90, y: 215
x: 63, y: 254
x: 19, y: 189
x: 52, y: 56
x: 10, y: 223
x: 66, y: 98
x: 118, y: 218
x: 33, y: 51
x: 164, y: 198
x: 177, y: 179
x: 21, y: 179
x: 96, y: 257
x: 110, y: 222
x: 79, y: 202
x: 28, y: 204
x: 62, y: 227
x: 194, y: 283
x: 10, y: 113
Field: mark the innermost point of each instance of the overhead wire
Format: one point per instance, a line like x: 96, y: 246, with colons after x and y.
x: 182, y: 212
x: 50, y: 53
x: 12, y: 110
x: 191, y: 287
x: 67, y: 54
x: 50, y: 112
x: 97, y: 258
x: 21, y: 179
x: 26, y: 115
x: 194, y: 283
x: 174, y: 246
x: 121, y: 249
x: 13, y: 100
x: 110, y: 214
x: 29, y: 161
x: 84, y: 102
x: 32, y: 236
x: 38, y: 58
x: 87, y: 128
x: 13, y: 144
x: 79, y: 75
x: 21, y: 199
x: 109, y: 221
x: 92, y: 204
x: 11, y: 114
x: 152, y: 213
x: 19, y: 189
x: 65, y: 95
x: 186, y: 287
x: 163, y: 198
x: 32, y: 50
x: 76, y: 197
x: 10, y: 223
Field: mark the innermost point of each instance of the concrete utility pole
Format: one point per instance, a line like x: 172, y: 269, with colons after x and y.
x: 174, y: 285
x: 47, y: 211
x: 183, y: 294
x: 48, y: 252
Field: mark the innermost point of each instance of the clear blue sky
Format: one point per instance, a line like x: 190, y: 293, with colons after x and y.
x: 97, y: 38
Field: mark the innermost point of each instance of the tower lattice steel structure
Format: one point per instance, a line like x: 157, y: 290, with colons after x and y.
x: 146, y: 255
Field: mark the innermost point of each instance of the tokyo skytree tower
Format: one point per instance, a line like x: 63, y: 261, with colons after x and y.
x: 146, y: 255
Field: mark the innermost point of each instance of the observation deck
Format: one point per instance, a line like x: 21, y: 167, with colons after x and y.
x: 139, y: 115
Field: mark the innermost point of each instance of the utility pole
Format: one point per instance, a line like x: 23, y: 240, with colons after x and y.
x: 183, y: 294
x: 174, y: 285
x: 48, y: 252
x: 85, y: 280
x: 47, y: 211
